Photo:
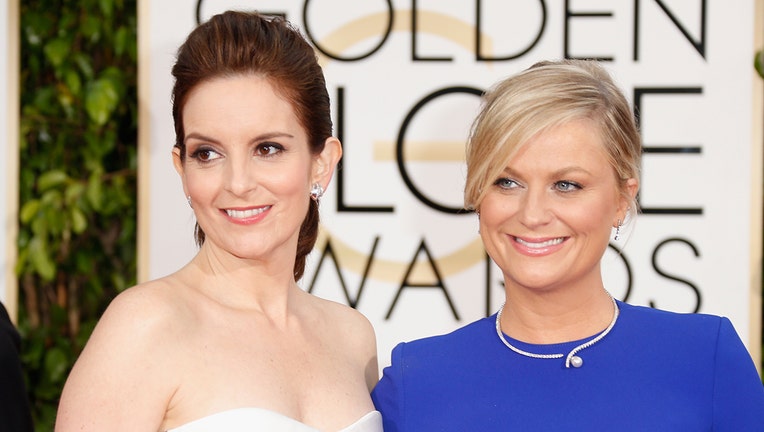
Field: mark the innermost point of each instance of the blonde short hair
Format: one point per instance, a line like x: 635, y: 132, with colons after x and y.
x: 539, y: 98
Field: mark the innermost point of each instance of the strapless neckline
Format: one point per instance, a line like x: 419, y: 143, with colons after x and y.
x: 254, y: 419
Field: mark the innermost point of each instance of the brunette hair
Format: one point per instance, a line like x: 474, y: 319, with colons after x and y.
x: 238, y: 43
x: 541, y: 97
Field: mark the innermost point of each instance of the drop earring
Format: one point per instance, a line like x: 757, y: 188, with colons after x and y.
x: 618, y: 230
x: 316, y: 191
x: 188, y: 198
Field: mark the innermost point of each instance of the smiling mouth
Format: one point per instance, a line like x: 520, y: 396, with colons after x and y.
x: 539, y: 245
x: 243, y: 214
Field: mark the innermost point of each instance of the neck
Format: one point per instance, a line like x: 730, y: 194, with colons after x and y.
x: 243, y: 284
x: 551, y: 317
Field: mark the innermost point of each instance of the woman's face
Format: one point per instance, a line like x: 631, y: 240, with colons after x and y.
x: 248, y: 167
x: 546, y: 220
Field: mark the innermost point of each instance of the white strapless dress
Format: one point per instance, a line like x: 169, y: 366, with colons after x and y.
x: 259, y: 419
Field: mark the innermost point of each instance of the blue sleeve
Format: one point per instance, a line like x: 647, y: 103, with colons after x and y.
x: 738, y: 389
x: 388, y: 393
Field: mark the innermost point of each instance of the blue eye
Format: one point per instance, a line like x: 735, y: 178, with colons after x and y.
x: 506, y: 183
x: 566, y: 186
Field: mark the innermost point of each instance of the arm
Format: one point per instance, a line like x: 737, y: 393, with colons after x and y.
x: 119, y: 382
x: 738, y: 390
x: 370, y: 354
x: 359, y: 339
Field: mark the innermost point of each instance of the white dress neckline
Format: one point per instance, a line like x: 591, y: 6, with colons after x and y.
x: 254, y: 419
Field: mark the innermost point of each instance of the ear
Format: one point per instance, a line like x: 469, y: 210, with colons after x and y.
x: 179, y: 168
x: 630, y: 189
x: 325, y: 162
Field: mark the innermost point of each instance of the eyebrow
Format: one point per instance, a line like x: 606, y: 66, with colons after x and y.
x: 262, y: 137
x: 558, y: 173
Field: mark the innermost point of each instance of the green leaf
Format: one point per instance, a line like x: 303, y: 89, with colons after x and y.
x: 116, y: 77
x: 85, y: 64
x: 73, y: 82
x: 56, y: 51
x: 55, y: 218
x: 79, y: 221
x: 121, y: 41
x: 39, y: 228
x: 38, y: 256
x: 101, y: 99
x: 21, y: 261
x: 45, y: 100
x: 758, y: 63
x: 95, y: 191
x: 51, y: 179
x: 29, y: 210
x: 119, y: 282
x: 73, y: 193
x: 52, y: 198
x: 107, y: 8
x: 90, y: 26
x: 56, y: 364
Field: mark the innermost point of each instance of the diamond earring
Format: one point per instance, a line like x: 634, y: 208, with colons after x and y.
x: 316, y: 191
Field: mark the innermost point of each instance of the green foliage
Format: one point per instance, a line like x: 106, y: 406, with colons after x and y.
x: 78, y: 144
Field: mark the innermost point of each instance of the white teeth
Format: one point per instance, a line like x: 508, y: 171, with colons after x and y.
x: 539, y: 245
x: 241, y: 214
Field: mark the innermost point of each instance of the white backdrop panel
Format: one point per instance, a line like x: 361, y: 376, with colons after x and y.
x: 404, y: 79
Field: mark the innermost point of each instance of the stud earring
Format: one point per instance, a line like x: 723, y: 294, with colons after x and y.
x: 316, y: 191
x: 618, y: 230
x: 188, y: 198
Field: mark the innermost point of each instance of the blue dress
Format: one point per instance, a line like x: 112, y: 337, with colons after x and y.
x: 655, y: 371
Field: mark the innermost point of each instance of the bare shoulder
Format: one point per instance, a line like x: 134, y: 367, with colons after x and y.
x: 125, y: 359
x: 349, y: 321
x: 150, y: 299
x: 142, y: 314
x: 355, y: 334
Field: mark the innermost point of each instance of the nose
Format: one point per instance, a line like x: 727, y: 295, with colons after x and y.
x: 535, y: 208
x: 240, y: 176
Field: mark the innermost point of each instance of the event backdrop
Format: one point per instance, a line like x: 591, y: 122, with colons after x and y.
x: 9, y: 155
x: 405, y: 79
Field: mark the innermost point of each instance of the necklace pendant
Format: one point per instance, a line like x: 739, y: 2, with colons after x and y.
x: 571, y: 360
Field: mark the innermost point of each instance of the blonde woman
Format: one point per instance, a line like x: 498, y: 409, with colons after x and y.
x: 552, y: 172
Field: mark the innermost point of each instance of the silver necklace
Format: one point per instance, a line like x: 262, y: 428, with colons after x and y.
x: 571, y: 359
